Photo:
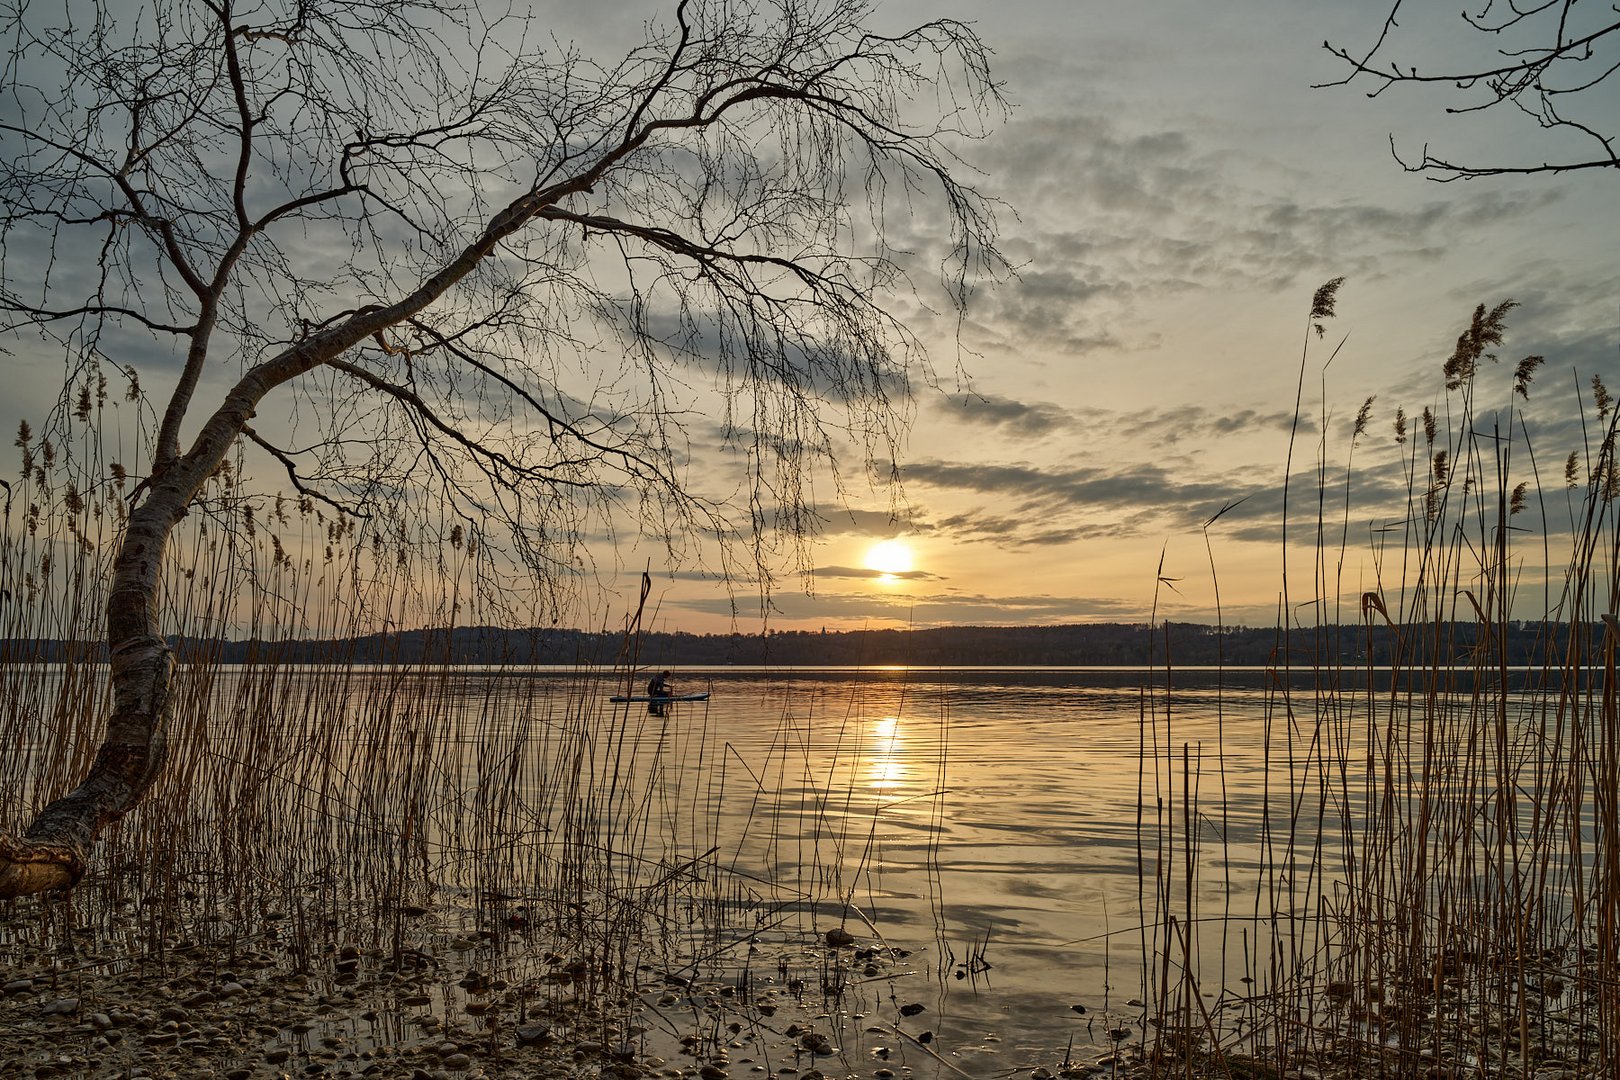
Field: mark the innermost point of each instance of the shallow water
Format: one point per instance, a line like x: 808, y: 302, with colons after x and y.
x: 985, y: 820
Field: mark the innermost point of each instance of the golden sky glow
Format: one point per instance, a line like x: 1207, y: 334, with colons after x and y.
x: 1123, y: 412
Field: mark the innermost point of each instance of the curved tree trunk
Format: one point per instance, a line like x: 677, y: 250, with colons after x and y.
x: 53, y: 854
x: 850, y: 93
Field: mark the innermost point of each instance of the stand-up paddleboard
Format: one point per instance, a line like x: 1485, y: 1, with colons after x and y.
x: 620, y: 699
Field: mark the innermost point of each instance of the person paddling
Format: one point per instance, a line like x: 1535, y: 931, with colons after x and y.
x: 658, y: 690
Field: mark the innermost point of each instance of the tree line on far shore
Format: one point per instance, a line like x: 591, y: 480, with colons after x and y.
x: 1124, y: 644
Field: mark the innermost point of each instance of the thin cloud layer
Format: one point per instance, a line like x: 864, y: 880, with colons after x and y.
x: 867, y: 574
x: 932, y: 609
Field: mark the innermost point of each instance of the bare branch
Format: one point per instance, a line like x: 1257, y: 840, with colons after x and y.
x: 566, y: 266
x: 1546, y: 63
x: 297, y: 481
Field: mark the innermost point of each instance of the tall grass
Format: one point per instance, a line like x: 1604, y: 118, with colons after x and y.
x: 1435, y: 864
x: 408, y: 811
x: 336, y: 803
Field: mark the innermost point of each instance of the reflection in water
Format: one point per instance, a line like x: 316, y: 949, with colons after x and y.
x: 887, y: 770
x: 1018, y: 832
x: 963, y: 816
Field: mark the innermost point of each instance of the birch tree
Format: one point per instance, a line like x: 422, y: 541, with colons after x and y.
x: 408, y: 220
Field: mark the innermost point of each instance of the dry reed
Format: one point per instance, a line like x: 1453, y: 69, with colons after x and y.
x: 1433, y: 872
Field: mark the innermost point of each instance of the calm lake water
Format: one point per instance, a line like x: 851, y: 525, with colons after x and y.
x: 1027, y: 835
x: 1002, y: 825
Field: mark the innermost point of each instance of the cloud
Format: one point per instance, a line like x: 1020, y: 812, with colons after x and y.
x: 873, y: 523
x: 1196, y: 423
x: 1113, y: 215
x: 1051, y: 507
x: 874, y: 575
x: 936, y: 609
x: 811, y: 355
x: 1156, y: 426
x: 1031, y: 488
x: 1047, y: 507
x: 993, y: 410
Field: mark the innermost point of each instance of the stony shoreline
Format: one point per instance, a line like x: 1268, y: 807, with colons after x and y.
x: 196, y: 1012
x: 450, y: 1008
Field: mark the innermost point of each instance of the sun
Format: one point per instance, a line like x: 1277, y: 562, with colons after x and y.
x: 889, y: 558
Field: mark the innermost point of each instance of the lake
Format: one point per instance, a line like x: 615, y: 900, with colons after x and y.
x: 985, y: 820
x: 1051, y: 859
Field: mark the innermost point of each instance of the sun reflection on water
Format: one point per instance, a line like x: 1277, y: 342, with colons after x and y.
x: 888, y: 767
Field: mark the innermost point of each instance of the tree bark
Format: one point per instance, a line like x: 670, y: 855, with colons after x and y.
x: 846, y: 87
x: 53, y: 854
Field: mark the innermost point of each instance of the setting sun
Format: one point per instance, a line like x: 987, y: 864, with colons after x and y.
x: 889, y: 557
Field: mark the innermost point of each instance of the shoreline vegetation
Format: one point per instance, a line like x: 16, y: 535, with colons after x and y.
x: 1521, y: 643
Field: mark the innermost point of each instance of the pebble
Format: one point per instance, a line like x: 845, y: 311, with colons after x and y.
x: 456, y: 1061
x: 18, y: 986
x: 533, y: 1035
x: 61, y: 1007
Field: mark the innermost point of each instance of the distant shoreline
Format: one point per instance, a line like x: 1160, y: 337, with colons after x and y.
x: 1116, y: 646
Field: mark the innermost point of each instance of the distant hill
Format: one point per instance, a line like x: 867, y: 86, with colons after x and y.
x: 1087, y: 644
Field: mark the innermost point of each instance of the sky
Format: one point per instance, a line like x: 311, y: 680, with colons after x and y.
x: 1173, y: 192
x: 1180, y: 191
